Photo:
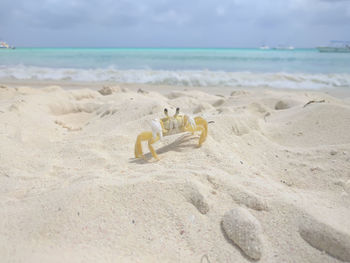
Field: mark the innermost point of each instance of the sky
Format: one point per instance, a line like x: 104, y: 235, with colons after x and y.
x: 178, y: 23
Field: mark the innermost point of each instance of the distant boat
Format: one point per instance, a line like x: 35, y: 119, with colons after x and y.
x: 284, y: 48
x: 336, y: 46
x: 264, y: 47
x: 3, y: 44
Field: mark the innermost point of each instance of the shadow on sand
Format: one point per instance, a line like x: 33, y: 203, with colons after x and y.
x: 184, y: 142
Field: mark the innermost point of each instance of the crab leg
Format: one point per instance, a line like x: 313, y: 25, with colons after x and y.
x: 145, y: 136
x: 150, y: 142
x: 201, y: 125
x: 204, y: 128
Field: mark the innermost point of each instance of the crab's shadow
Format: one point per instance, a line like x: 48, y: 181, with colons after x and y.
x: 179, y: 145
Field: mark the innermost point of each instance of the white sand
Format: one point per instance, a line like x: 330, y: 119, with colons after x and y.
x: 71, y: 190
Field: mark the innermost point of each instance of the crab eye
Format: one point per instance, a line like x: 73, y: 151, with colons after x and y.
x: 177, y: 110
x: 165, y: 110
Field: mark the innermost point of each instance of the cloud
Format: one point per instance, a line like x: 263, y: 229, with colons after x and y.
x: 171, y: 16
x: 166, y: 22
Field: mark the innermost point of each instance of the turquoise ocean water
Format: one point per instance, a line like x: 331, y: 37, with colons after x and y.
x: 299, y: 68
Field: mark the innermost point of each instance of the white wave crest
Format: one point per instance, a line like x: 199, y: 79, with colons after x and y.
x: 180, y: 78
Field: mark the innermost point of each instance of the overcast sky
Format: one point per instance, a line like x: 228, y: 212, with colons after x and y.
x: 178, y: 23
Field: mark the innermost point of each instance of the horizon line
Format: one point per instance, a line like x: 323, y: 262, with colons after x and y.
x: 161, y: 47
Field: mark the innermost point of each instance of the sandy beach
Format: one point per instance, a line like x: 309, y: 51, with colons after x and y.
x: 270, y: 184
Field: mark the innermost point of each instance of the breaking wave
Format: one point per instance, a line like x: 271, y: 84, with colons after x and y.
x: 179, y: 78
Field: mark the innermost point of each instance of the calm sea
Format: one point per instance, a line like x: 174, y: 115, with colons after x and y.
x: 299, y: 68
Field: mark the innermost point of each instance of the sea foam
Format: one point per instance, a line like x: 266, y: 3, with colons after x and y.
x: 179, y: 77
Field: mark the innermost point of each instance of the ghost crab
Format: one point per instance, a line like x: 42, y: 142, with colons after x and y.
x: 170, y: 125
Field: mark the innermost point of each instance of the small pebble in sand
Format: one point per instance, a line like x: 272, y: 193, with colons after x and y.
x: 106, y: 90
x: 142, y: 91
x: 281, y: 105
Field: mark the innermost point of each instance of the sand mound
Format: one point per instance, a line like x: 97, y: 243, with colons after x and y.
x: 312, y: 126
x: 245, y: 231
x: 325, y: 238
